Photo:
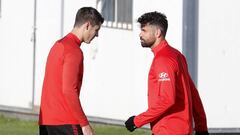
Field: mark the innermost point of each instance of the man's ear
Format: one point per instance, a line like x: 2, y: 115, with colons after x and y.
x: 86, y: 25
x: 158, y: 33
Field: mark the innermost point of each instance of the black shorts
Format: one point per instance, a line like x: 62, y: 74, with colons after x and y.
x: 60, y: 130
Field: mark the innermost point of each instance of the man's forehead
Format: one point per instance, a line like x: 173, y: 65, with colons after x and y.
x: 144, y: 25
x: 147, y: 26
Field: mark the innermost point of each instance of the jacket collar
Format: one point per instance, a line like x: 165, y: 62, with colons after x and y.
x: 159, y: 47
x: 74, y: 38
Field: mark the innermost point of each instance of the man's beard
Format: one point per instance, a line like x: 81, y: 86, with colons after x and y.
x: 146, y: 44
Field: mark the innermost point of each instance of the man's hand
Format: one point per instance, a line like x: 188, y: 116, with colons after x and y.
x: 87, y: 130
x: 129, y: 124
x: 202, y: 133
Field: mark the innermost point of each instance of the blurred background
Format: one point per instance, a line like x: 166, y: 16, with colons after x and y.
x: 115, y: 65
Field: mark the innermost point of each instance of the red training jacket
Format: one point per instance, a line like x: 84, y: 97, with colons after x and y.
x: 60, y: 102
x: 172, y: 96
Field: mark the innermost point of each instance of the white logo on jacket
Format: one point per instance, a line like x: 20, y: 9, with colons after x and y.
x: 163, y: 76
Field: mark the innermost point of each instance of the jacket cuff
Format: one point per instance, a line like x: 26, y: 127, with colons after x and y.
x: 137, y: 122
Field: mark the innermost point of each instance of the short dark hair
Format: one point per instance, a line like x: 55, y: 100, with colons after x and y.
x: 154, y: 18
x: 88, y: 14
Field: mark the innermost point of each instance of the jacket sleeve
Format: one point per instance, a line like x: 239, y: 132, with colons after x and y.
x: 165, y: 80
x: 198, y: 109
x: 70, y: 82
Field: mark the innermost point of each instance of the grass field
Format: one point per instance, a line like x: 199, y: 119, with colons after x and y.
x: 10, y: 126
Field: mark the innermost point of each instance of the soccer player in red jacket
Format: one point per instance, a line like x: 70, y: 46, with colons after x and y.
x: 61, y: 112
x: 173, y: 100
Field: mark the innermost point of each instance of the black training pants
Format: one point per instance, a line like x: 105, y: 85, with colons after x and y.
x: 60, y: 130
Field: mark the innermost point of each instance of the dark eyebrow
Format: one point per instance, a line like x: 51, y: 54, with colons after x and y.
x: 142, y: 29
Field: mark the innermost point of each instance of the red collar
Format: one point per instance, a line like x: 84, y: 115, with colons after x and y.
x: 159, y: 47
x: 75, y: 38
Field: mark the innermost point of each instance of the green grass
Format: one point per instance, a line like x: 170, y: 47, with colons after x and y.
x: 11, y: 126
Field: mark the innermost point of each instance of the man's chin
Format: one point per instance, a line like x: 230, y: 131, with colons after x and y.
x: 87, y: 42
x: 145, y: 45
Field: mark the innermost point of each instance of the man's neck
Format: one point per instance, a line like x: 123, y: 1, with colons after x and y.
x: 157, y: 42
x: 77, y: 32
